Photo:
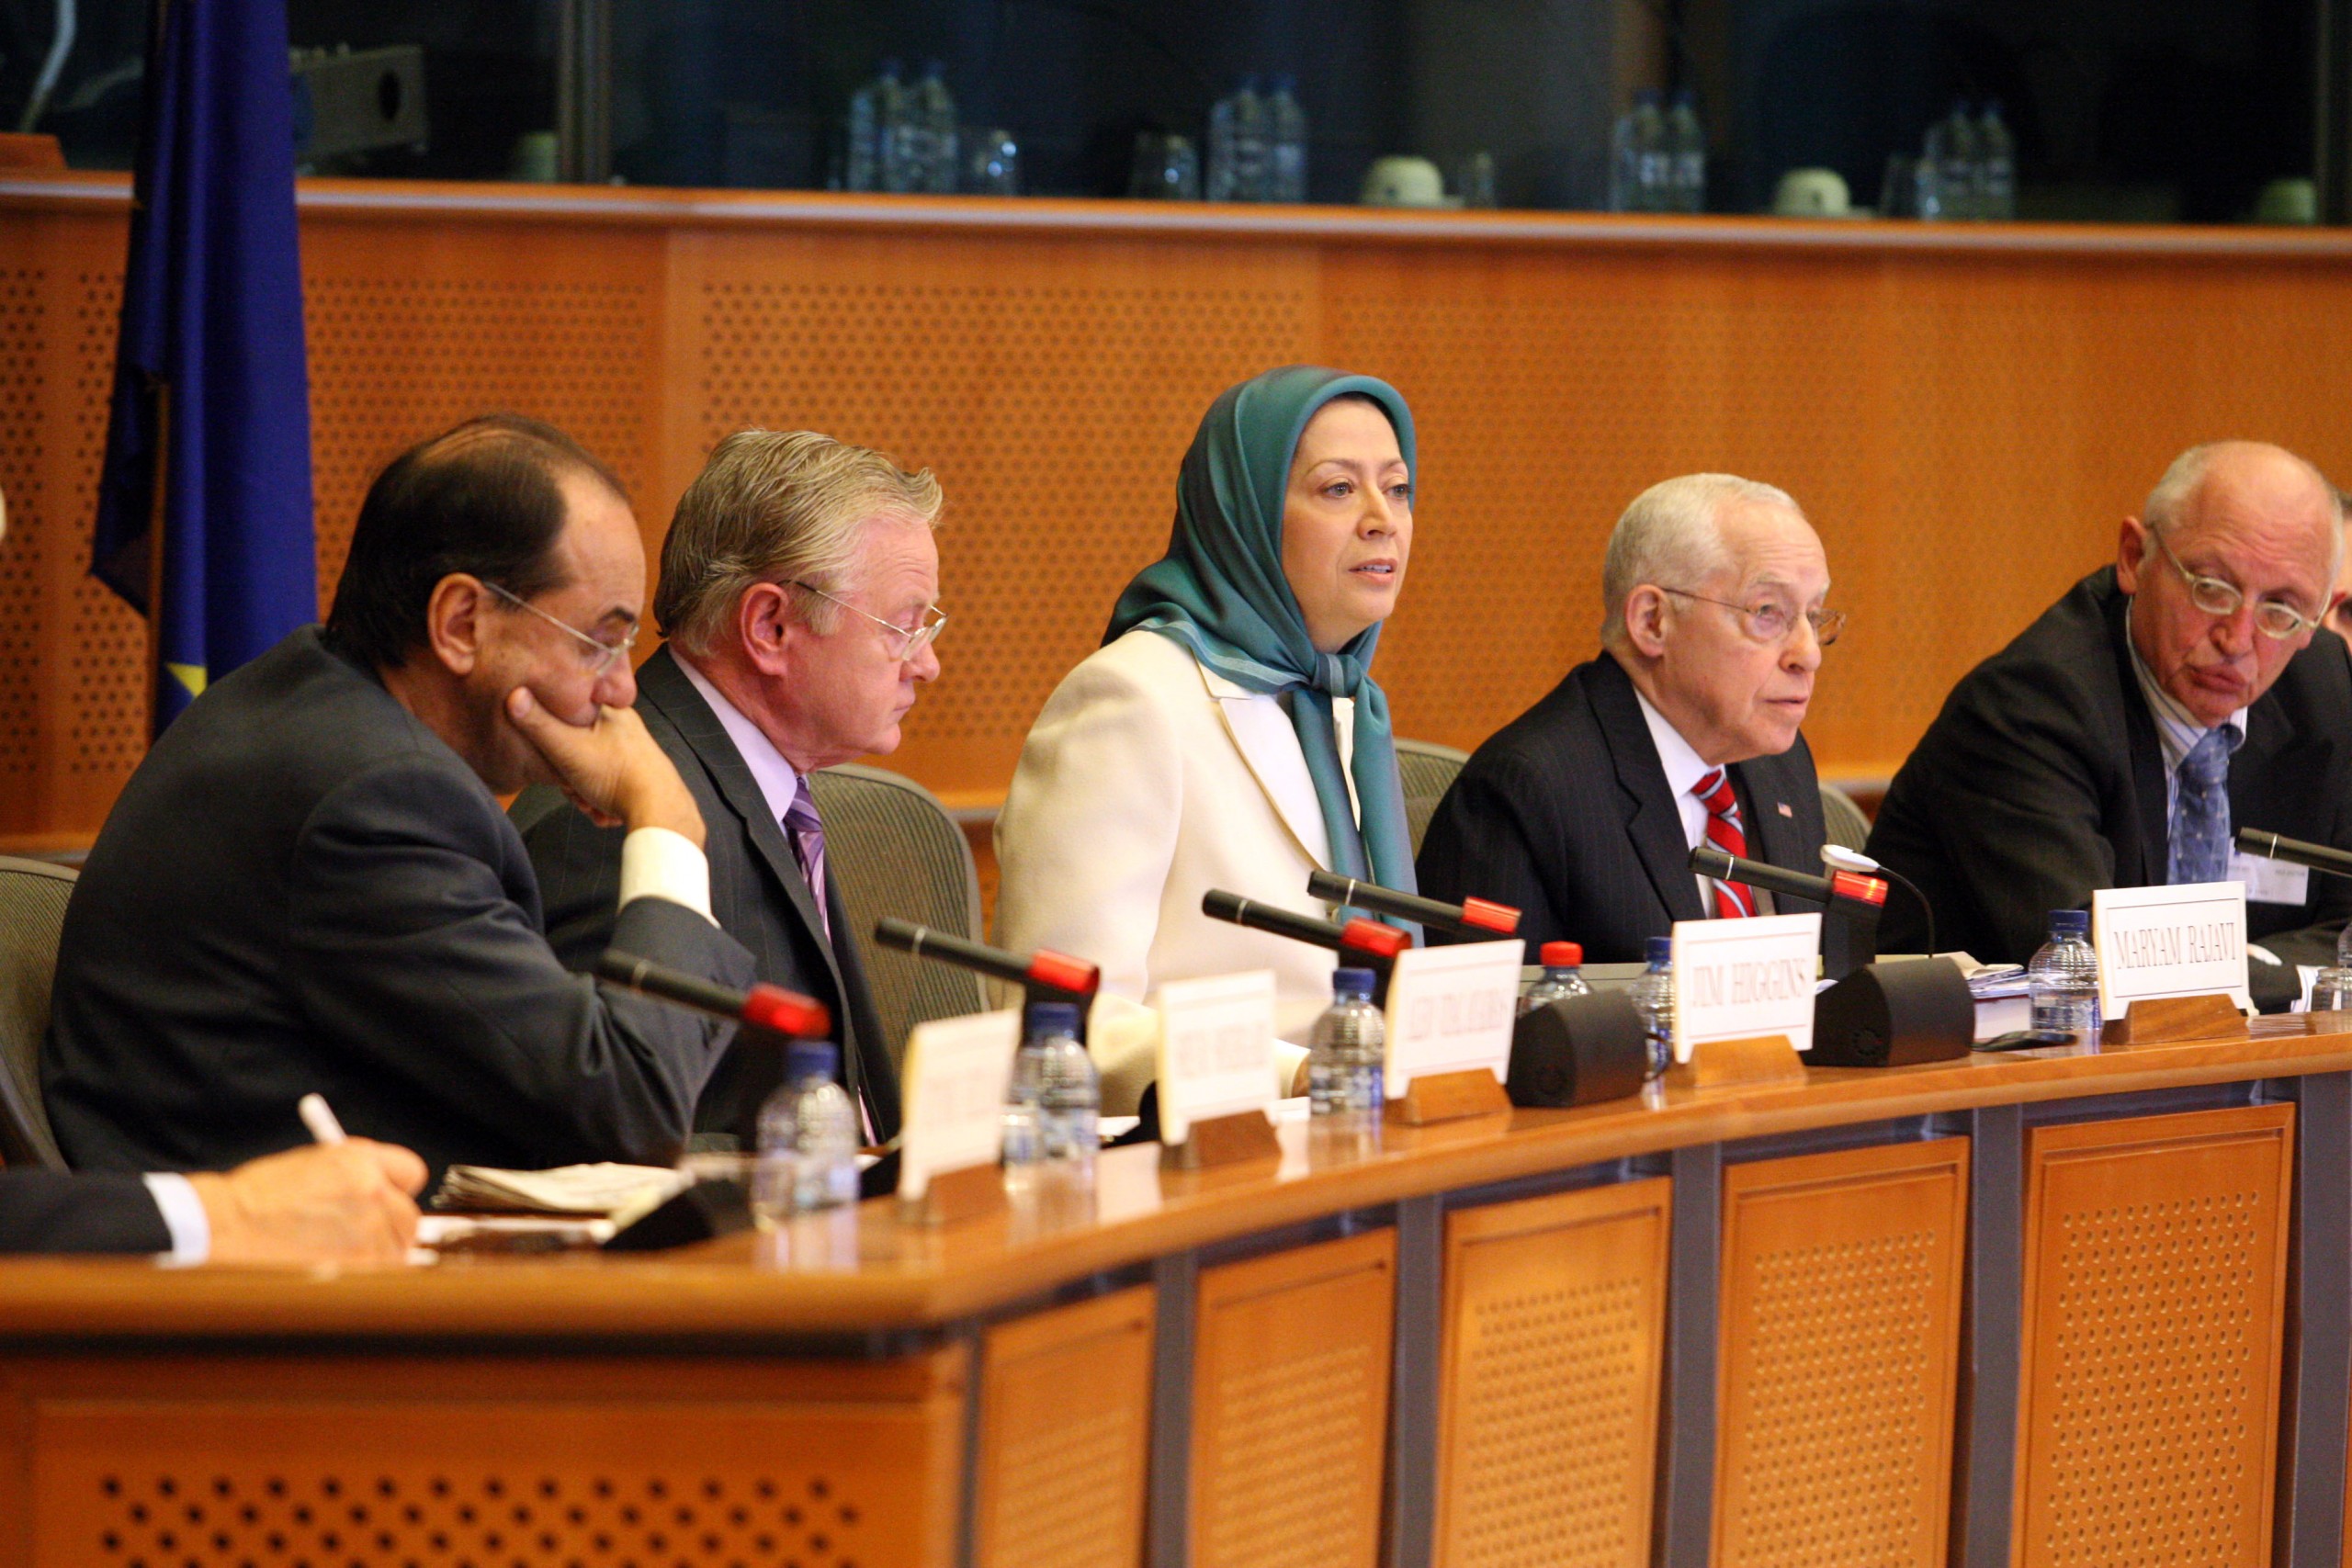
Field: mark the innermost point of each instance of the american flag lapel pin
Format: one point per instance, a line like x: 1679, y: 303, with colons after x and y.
x: 1784, y: 810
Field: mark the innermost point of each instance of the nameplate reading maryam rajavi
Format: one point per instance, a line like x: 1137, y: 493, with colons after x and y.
x: 1216, y: 1049
x: 2184, y: 940
x: 955, y: 1074
x: 1451, y: 1009
x: 1741, y: 979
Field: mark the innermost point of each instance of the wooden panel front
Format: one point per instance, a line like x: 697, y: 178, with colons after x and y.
x: 381, y: 1463
x: 1290, y: 1406
x: 1548, y: 1381
x: 1064, y: 1430
x: 2155, y: 1254
x: 1838, y: 1355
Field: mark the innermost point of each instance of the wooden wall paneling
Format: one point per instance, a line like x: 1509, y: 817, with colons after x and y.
x: 381, y: 1462
x: 2155, y: 1274
x: 1290, y: 1406
x: 1064, y: 1424
x: 1839, y: 1354
x: 1554, y: 1324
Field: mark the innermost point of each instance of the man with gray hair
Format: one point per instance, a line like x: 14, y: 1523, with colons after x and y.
x: 2162, y: 702
x: 1584, y: 810
x: 797, y: 594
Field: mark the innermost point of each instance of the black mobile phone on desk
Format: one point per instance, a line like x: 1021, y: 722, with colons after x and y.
x: 2026, y: 1040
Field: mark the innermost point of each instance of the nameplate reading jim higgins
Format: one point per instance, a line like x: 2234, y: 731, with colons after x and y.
x: 1739, y: 979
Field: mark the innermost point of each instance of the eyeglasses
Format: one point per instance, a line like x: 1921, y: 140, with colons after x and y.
x: 598, y: 654
x: 2273, y: 618
x: 1771, y: 621
x: 911, y: 640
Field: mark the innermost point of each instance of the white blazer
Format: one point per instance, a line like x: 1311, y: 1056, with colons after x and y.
x: 1148, y: 779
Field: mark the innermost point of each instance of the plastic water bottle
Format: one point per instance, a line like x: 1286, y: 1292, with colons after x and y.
x: 1652, y: 994
x: 1639, y: 163
x: 1238, y: 145
x: 2332, y: 986
x: 1286, y: 136
x: 1948, y: 161
x: 1053, y: 1110
x: 1349, y: 1052
x: 2062, y: 979
x: 931, y: 111
x: 1997, y: 166
x: 807, y: 1157
x: 1686, y: 144
x: 1563, y: 976
x: 873, y: 112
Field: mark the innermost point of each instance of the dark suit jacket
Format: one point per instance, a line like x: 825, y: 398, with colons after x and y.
x: 59, y: 1211
x: 2042, y: 779
x: 1565, y: 813
x: 756, y: 890
x: 302, y: 889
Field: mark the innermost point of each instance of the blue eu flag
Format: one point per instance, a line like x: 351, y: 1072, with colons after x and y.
x: 204, y: 503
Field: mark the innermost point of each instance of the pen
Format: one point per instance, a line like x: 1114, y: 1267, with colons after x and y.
x: 319, y: 1119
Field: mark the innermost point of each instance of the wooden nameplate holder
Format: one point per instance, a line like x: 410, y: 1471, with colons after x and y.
x: 1448, y: 1097
x: 2176, y: 1021
x: 955, y: 1196
x: 1222, y: 1140
x: 1762, y: 1059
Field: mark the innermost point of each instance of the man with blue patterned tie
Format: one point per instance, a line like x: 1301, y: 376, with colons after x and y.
x: 2162, y: 702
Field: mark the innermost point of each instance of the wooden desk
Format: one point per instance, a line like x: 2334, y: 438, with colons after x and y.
x: 2049, y: 1308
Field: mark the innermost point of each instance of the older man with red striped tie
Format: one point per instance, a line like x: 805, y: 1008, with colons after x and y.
x: 1583, y: 811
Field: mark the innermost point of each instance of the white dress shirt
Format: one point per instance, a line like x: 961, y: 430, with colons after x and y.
x: 1684, y: 767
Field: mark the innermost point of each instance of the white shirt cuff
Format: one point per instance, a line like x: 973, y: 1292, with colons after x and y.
x: 184, y: 1216
x: 658, y: 862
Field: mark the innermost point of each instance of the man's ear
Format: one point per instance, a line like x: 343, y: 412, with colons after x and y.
x: 453, y: 627
x: 2134, y: 543
x: 1646, y: 619
x: 768, y: 627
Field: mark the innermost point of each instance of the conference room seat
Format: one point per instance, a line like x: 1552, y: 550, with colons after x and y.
x: 1428, y: 770
x: 1842, y: 821
x: 32, y: 912
x: 893, y: 850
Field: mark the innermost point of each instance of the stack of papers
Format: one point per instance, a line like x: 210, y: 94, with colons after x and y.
x: 567, y: 1190
x: 2002, y: 1005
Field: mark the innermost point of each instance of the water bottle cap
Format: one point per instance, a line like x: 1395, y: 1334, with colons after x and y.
x: 811, y: 1058
x: 1249, y: 83
x: 1562, y: 955
x: 1286, y: 82
x: 1685, y: 99
x: 892, y: 66
x: 1992, y: 108
x: 1053, y: 1017
x: 1658, y: 950
x: 934, y: 68
x: 1649, y: 98
x: 2069, y: 923
x: 1351, y: 985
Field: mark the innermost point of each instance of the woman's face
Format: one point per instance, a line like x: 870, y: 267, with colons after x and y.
x: 1347, y: 521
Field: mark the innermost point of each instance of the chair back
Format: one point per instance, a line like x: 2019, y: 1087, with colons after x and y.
x: 1428, y: 770
x: 32, y: 912
x: 1842, y: 821
x: 892, y: 849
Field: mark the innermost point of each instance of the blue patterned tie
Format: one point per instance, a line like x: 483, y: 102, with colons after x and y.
x: 2200, y: 811
x: 808, y: 833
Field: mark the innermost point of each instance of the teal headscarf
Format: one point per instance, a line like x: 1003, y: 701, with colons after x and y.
x: 1220, y: 591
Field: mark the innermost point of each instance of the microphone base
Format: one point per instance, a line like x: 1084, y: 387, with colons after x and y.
x: 1579, y: 1051
x: 1892, y: 1015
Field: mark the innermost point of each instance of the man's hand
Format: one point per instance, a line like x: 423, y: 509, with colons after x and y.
x: 351, y: 1202
x: 612, y: 768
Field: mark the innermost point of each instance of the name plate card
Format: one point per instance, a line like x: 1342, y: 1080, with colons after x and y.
x: 956, y: 1073
x: 1451, y: 1009
x: 1216, y: 1049
x: 1744, y: 979
x: 2184, y: 941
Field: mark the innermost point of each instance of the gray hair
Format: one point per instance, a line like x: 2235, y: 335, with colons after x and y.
x: 778, y: 507
x: 2185, y: 477
x: 1669, y: 537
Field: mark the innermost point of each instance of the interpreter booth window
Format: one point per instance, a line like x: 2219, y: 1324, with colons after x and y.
x: 2201, y: 111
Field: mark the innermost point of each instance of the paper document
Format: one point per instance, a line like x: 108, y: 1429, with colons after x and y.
x: 567, y: 1190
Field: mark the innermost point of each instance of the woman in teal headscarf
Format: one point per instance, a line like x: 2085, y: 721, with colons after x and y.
x: 1227, y: 733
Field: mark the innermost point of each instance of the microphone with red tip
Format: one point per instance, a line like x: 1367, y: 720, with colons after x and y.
x: 1475, y: 917
x: 1049, y: 977
x: 768, y: 1007
x: 1852, y: 896
x: 1363, y: 944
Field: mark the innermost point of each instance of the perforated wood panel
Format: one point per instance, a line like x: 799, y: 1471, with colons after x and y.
x: 1065, y: 1423
x: 356, y: 1472
x: 1548, y: 1388
x: 1839, y: 1345
x: 1290, y: 1406
x: 2155, y: 1304
x: 24, y: 394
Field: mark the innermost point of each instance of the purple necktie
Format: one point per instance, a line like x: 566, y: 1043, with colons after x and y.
x: 808, y: 832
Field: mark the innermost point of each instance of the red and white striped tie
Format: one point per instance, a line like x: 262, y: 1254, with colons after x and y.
x: 1733, y: 900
